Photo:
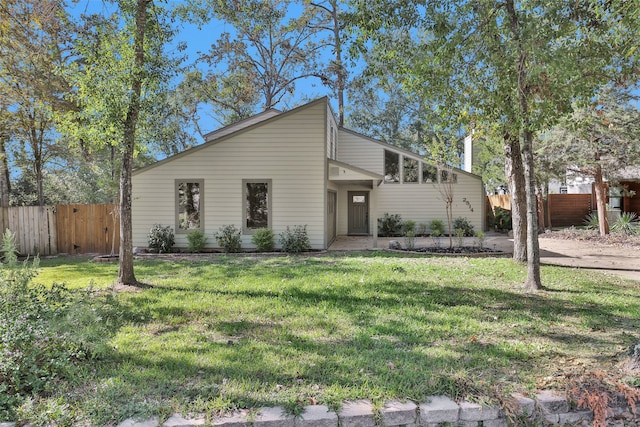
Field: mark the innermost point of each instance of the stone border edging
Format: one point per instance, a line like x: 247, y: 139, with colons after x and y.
x: 550, y: 406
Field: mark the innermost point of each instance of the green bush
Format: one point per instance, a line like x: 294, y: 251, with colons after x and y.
x: 592, y: 222
x: 390, y: 225
x: 197, y: 241
x: 463, y: 224
x: 501, y: 219
x: 422, y: 229
x: 228, y: 238
x: 161, y: 238
x: 9, y: 248
x: 409, y: 226
x: 410, y: 240
x: 263, y: 239
x: 296, y: 239
x: 436, y: 228
x: 627, y: 224
x: 480, y: 238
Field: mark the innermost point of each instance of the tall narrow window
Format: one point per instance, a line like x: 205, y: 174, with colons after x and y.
x: 332, y: 144
x: 429, y: 173
x: 189, y: 205
x: 409, y: 170
x: 391, y: 166
x: 256, y: 205
x: 335, y: 144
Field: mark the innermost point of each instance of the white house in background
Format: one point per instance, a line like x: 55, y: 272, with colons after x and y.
x: 280, y: 169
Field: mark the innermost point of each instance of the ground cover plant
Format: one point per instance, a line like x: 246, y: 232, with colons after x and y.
x: 222, y: 332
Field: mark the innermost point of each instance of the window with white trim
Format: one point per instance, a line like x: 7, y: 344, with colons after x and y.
x: 189, y: 205
x: 256, y: 205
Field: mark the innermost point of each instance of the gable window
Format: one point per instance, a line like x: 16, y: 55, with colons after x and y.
x: 446, y: 176
x: 335, y: 143
x: 429, y: 173
x: 391, y: 166
x: 256, y: 205
x: 189, y: 205
x: 409, y: 169
x: 332, y: 144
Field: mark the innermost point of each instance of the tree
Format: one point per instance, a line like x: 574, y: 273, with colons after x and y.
x: 33, y: 43
x: 330, y: 20
x: 599, y: 141
x: 518, y: 65
x: 119, y: 76
x: 264, y: 57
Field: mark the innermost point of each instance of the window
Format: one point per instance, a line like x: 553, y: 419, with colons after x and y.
x: 332, y: 143
x: 335, y: 144
x: 256, y: 204
x: 391, y: 166
x: 444, y: 176
x: 189, y: 205
x: 409, y: 170
x: 429, y: 173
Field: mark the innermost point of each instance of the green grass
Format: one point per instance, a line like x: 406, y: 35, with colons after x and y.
x: 226, y: 332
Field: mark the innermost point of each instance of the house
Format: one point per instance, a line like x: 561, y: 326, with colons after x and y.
x: 280, y: 169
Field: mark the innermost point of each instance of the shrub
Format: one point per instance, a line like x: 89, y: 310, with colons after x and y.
x: 296, y: 239
x: 627, y: 224
x: 459, y: 233
x: 197, y: 241
x: 480, y: 239
x: 263, y: 239
x: 422, y: 229
x: 436, y: 227
x: 228, y: 238
x: 410, y: 240
x: 389, y: 225
x: 9, y: 248
x: 463, y: 224
x: 161, y: 239
x: 592, y: 222
x: 409, y: 226
x: 501, y: 219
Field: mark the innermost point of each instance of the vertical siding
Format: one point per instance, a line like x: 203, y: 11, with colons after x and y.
x: 289, y: 150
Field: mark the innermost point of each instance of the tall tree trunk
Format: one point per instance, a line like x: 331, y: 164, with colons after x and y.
x: 601, y: 201
x: 340, y: 81
x: 5, y: 183
x: 533, y: 281
x: 516, y: 182
x: 126, y: 274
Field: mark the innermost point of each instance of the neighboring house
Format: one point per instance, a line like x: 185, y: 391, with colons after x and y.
x: 294, y: 168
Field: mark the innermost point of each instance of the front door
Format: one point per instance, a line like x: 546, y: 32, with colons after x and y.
x: 358, y: 212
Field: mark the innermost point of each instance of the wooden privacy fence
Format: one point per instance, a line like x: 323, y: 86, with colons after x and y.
x: 71, y: 229
x: 563, y: 210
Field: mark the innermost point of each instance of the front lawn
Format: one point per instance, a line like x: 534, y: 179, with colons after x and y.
x: 225, y: 332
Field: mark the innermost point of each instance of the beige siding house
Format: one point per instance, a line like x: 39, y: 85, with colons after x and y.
x: 293, y: 168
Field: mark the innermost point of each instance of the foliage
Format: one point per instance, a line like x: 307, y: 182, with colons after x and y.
x: 197, y: 241
x: 436, y: 227
x: 627, y: 223
x: 9, y: 248
x: 229, y: 239
x: 501, y: 219
x: 592, y: 222
x: 161, y: 238
x: 422, y: 229
x: 390, y: 225
x: 459, y: 233
x: 408, y: 225
x: 480, y: 238
x: 410, y: 240
x: 262, y: 58
x: 296, y: 239
x: 464, y: 225
x: 263, y: 239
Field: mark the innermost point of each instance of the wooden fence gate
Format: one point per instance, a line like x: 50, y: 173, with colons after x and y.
x: 71, y: 229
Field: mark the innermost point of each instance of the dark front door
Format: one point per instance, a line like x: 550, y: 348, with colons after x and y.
x: 358, y: 212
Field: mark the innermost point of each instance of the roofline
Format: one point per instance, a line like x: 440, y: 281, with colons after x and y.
x: 239, y: 122
x: 372, y: 175
x: 404, y: 151
x: 230, y: 135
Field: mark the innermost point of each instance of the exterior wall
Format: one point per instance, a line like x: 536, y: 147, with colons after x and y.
x: 289, y: 150
x: 421, y: 202
x: 360, y: 152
